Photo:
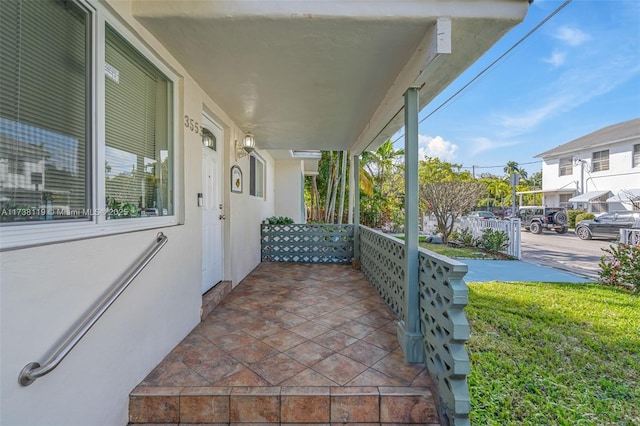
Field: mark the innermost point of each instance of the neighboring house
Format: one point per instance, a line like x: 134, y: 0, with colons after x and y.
x: 136, y: 112
x: 599, y: 172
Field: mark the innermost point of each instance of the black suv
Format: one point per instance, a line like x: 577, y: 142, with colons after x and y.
x: 537, y: 218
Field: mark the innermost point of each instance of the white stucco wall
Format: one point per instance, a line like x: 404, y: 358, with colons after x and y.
x: 289, y: 197
x: 44, y: 290
x: 621, y: 175
x: 247, y: 213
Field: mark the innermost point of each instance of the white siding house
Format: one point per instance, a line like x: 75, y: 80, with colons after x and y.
x: 134, y: 113
x: 598, y: 172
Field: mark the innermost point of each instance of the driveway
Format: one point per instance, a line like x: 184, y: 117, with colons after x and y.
x: 564, y: 251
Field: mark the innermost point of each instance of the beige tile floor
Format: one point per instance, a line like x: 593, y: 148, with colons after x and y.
x: 288, y: 331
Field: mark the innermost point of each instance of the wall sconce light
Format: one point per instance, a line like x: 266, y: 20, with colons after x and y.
x: 247, y: 146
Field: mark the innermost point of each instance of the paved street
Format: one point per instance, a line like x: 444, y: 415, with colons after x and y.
x: 564, y: 251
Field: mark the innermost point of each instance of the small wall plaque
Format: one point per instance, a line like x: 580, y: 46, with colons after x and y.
x: 236, y: 179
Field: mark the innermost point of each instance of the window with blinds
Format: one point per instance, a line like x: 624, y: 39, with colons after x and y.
x: 47, y: 121
x: 44, y: 111
x: 256, y: 177
x: 600, y: 161
x: 636, y: 156
x: 566, y: 166
x: 564, y: 200
x: 136, y: 135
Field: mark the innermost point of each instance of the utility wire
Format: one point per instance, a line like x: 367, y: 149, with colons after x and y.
x: 488, y: 67
x: 500, y: 166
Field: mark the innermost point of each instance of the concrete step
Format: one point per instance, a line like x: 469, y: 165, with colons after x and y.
x: 282, y: 405
x: 213, y: 297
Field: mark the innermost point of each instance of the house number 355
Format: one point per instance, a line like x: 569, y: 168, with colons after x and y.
x: 192, y: 125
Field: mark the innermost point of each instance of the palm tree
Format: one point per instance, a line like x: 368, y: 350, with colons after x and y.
x: 326, y: 192
x: 497, y: 189
x: 513, y: 167
x: 379, y: 167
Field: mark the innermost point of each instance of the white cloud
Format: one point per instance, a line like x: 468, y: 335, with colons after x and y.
x: 556, y: 59
x: 482, y: 144
x: 571, y: 36
x: 436, y: 147
x: 530, y: 118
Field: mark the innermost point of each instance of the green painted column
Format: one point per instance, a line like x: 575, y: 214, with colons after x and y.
x: 409, y: 333
x: 356, y: 208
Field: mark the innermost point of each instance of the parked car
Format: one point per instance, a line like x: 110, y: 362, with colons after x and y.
x: 482, y: 214
x: 608, y: 225
x: 537, y: 218
x: 509, y: 213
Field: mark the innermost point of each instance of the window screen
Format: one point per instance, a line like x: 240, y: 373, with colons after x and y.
x: 600, y: 161
x: 44, y: 111
x: 566, y: 166
x: 137, y: 152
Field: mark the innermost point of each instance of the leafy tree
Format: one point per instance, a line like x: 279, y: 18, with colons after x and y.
x: 382, y: 206
x: 321, y: 190
x: 634, y: 198
x: 535, y: 180
x: 435, y: 170
x: 497, y: 191
x: 312, y: 199
x: 447, y: 192
x: 381, y: 187
x: 513, y: 167
x: 325, y: 193
x: 343, y: 187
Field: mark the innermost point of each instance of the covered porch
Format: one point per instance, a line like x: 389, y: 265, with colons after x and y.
x: 340, y: 337
x: 381, y: 343
x: 292, y: 343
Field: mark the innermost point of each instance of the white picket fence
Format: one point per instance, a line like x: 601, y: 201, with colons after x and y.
x: 630, y: 236
x: 510, y: 227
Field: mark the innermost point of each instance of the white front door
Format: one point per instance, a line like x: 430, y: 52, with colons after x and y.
x: 212, y: 211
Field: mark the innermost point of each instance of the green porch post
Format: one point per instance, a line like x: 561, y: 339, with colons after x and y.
x: 409, y: 333
x: 356, y: 208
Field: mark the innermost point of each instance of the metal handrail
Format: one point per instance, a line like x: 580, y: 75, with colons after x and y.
x: 34, y: 370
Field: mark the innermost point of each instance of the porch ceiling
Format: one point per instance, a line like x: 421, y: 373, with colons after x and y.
x: 323, y: 75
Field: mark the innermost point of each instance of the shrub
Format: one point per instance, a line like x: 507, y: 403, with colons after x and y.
x: 465, y: 237
x: 620, y: 267
x: 277, y: 220
x: 583, y: 216
x: 571, y: 215
x: 493, y: 241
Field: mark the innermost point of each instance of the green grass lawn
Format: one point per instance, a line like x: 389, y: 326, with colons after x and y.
x: 553, y: 354
x: 459, y: 252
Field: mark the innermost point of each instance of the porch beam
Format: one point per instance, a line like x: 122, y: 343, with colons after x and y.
x: 355, y: 184
x: 425, y: 61
x: 409, y: 333
x: 351, y: 189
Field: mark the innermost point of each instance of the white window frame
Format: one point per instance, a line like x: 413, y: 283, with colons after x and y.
x: 599, y: 161
x: 635, y: 156
x: 562, y: 166
x: 252, y: 179
x: 24, y: 235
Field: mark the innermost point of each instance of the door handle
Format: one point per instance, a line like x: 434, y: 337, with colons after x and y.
x: 222, y: 217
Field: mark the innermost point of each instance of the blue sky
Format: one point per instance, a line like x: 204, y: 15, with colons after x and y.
x: 578, y: 73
